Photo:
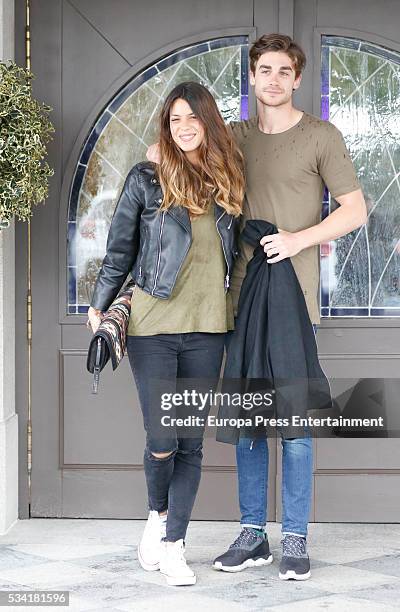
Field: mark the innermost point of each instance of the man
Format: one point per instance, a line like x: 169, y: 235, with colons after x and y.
x: 289, y: 156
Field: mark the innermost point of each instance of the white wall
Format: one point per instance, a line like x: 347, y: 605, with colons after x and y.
x: 8, y: 418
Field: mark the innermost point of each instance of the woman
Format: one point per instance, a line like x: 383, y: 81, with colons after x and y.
x: 175, y: 229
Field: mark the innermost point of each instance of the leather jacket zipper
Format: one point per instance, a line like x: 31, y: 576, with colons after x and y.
x: 159, y: 253
x: 226, y: 283
x: 142, y: 254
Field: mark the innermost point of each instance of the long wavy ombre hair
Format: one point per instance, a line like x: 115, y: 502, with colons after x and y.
x: 219, y: 175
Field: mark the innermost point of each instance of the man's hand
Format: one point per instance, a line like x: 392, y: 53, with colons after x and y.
x: 281, y: 245
x: 351, y: 214
x: 153, y: 153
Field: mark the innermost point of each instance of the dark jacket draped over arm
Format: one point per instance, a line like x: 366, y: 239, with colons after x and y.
x: 273, y: 344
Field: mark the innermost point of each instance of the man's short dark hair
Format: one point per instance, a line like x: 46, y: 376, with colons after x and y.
x: 278, y: 42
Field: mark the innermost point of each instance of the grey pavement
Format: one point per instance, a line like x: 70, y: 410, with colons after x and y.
x: 354, y: 567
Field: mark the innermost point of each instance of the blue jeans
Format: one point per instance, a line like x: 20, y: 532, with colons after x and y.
x: 297, y: 466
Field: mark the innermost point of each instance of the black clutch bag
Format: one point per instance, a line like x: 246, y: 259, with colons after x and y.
x: 109, y: 341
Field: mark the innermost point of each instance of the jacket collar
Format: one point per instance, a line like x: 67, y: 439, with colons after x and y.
x: 181, y: 215
x: 219, y: 212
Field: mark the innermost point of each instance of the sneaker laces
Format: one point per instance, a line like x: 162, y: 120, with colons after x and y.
x: 294, y: 546
x: 246, y: 536
x: 178, y: 552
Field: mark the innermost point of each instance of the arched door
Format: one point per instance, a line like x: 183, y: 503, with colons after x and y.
x: 103, y: 67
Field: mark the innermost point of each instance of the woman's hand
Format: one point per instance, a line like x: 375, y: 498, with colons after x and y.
x: 94, y: 318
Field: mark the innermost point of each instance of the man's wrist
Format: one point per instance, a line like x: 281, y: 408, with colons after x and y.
x: 306, y: 238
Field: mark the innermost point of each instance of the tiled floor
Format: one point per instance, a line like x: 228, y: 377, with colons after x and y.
x: 354, y: 567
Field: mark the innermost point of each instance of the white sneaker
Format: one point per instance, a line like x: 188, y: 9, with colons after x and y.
x: 173, y: 564
x: 149, y: 549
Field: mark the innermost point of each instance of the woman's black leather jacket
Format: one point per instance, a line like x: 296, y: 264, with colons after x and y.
x: 152, y: 244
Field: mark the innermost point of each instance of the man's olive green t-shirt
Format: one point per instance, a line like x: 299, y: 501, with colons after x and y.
x: 285, y: 177
x: 198, y: 302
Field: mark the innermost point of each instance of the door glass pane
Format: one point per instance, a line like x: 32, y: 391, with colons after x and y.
x: 360, y: 94
x: 120, y: 137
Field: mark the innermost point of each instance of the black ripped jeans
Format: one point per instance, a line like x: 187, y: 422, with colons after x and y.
x: 159, y: 363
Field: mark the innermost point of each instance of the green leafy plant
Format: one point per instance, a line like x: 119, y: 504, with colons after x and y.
x: 24, y: 131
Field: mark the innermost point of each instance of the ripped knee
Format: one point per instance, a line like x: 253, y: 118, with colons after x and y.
x: 162, y: 455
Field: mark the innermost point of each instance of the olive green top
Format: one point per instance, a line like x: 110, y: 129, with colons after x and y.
x: 198, y: 302
x: 285, y: 178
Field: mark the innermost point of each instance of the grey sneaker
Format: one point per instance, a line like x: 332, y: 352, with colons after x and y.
x: 295, y: 563
x: 248, y: 550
